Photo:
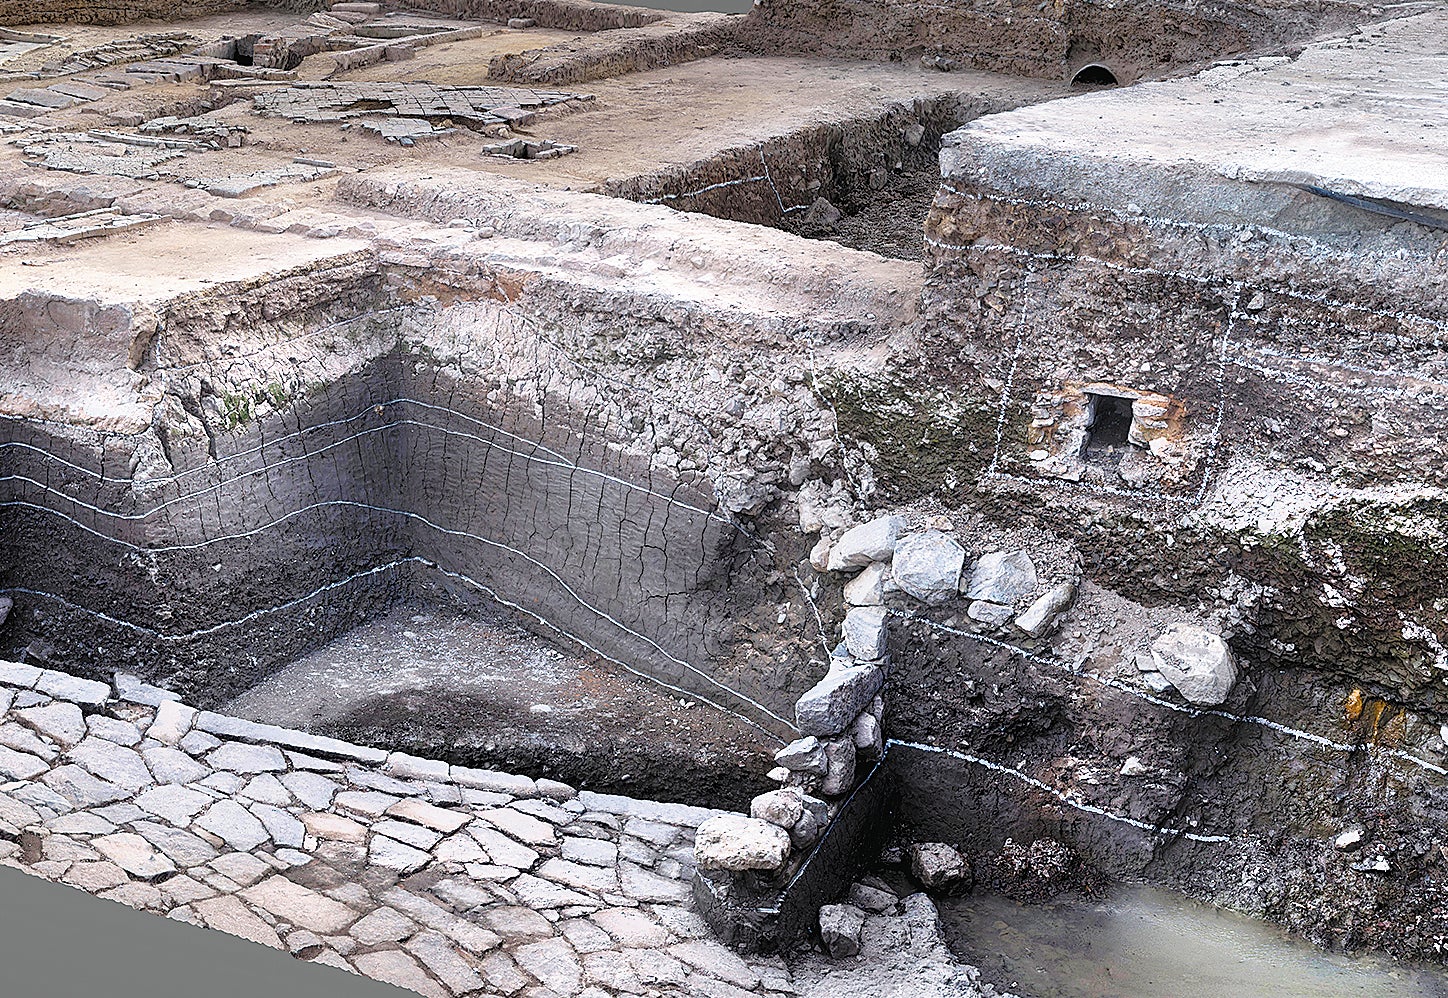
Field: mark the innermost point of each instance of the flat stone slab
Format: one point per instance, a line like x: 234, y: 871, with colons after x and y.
x: 42, y: 98
x: 134, y: 854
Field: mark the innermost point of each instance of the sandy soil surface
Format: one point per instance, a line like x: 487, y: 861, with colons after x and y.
x: 479, y: 690
x: 681, y: 114
x: 160, y: 262
x: 635, y: 124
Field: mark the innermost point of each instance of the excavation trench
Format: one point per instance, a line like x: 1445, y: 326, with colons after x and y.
x: 447, y: 571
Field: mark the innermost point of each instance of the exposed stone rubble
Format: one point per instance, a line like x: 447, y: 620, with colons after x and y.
x: 939, y: 866
x: 841, y: 718
x: 889, y: 566
x: 440, y: 879
x: 841, y: 721
x: 927, y: 565
x: 81, y: 225
x: 1118, y: 428
x: 476, y: 107
x: 878, y: 945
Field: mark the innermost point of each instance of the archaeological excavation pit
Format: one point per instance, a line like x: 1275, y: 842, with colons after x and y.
x: 564, y: 498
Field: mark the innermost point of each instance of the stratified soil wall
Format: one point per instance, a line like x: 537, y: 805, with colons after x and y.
x: 1031, y: 39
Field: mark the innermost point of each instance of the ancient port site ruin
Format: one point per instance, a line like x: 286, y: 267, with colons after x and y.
x: 828, y: 498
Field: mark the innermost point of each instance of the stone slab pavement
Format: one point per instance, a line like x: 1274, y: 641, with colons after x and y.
x: 439, y: 879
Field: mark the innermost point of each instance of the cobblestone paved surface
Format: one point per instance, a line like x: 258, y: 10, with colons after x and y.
x: 439, y: 879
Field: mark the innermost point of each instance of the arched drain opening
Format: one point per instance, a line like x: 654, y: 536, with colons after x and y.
x: 1094, y: 75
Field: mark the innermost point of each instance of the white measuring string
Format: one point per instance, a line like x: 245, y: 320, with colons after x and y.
x: 1186, y: 709
x: 1059, y: 795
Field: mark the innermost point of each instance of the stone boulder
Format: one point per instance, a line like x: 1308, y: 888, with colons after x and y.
x: 803, y: 755
x: 868, y: 588
x: 1041, y: 617
x: 938, y: 866
x: 867, y: 733
x: 821, y: 214
x: 840, y: 928
x: 1197, y: 662
x: 1002, y: 577
x: 735, y: 843
x: 858, y: 546
x: 832, y: 704
x: 928, y: 565
x: 840, y: 776
x: 779, y: 807
x: 873, y: 899
x: 819, y: 555
x: 866, y: 632
x: 806, y: 831
x: 990, y: 614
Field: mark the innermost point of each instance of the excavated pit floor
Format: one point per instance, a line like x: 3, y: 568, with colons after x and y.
x: 478, y: 690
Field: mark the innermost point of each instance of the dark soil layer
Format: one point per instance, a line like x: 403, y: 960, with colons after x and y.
x: 594, y: 753
x: 890, y: 221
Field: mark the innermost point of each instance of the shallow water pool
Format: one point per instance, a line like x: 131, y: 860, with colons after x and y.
x: 1147, y: 943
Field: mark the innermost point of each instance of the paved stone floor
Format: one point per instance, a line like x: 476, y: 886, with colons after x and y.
x: 442, y: 880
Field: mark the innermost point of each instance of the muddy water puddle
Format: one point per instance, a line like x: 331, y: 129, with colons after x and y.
x: 1147, y: 943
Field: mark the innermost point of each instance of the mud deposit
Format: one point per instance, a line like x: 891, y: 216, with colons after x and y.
x: 1147, y: 943
x: 477, y: 690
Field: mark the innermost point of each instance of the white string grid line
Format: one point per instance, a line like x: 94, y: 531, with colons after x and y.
x: 448, y: 531
x: 1213, y: 441
x: 561, y: 463
x: 762, y: 178
x: 1229, y: 352
x: 1060, y: 795
x: 1406, y: 318
x: 1186, y: 709
x: 377, y: 570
